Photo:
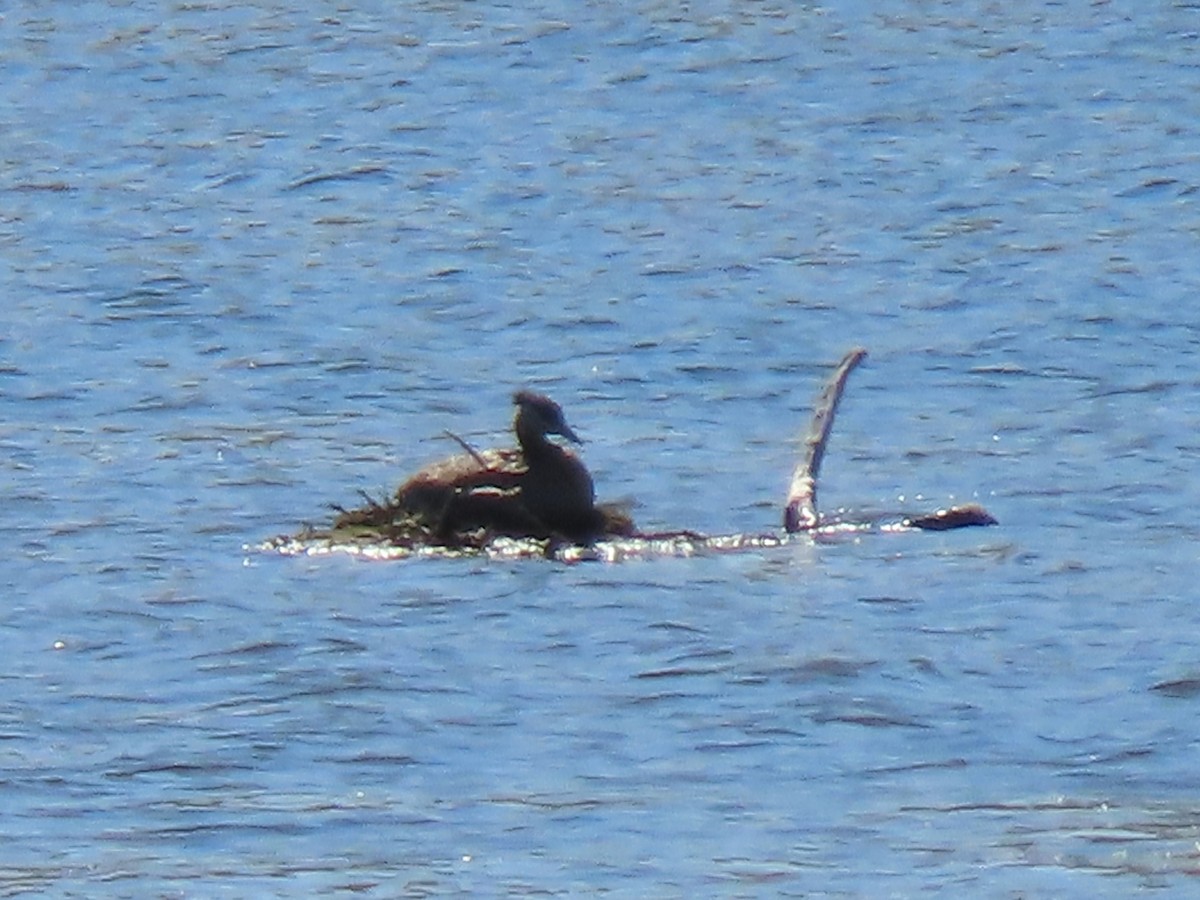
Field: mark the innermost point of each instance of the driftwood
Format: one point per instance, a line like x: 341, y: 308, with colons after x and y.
x: 390, y: 528
x: 800, y: 510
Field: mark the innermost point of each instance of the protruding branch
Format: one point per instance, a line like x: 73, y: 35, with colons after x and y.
x: 474, y: 454
x: 800, y: 513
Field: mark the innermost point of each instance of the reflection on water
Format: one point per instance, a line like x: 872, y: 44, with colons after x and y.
x: 253, y: 257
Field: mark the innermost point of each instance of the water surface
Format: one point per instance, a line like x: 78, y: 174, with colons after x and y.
x: 257, y: 259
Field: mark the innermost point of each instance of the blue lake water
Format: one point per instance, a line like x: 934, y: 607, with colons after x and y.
x: 255, y: 259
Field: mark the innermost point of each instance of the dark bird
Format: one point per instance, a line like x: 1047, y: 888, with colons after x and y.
x: 539, y: 490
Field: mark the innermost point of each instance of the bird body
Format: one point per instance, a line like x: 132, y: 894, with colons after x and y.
x: 540, y: 489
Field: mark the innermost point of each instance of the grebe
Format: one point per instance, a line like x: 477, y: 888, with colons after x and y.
x: 540, y: 490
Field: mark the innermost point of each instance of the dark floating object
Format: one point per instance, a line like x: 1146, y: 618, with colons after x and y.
x: 955, y: 517
x: 538, y: 499
x: 1183, y: 688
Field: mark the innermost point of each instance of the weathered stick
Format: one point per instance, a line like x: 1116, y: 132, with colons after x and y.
x: 474, y: 454
x: 800, y: 513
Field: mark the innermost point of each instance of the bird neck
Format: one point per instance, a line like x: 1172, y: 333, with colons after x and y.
x: 532, y: 439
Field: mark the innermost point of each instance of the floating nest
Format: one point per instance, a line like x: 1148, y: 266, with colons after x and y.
x: 380, y: 531
x: 395, y: 529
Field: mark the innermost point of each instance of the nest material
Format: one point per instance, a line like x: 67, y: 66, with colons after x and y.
x: 393, y: 524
